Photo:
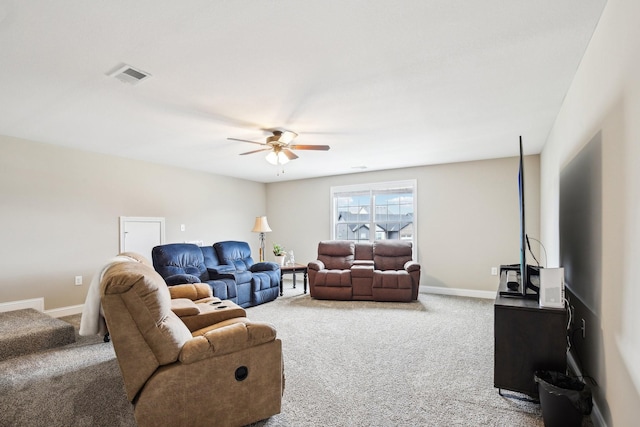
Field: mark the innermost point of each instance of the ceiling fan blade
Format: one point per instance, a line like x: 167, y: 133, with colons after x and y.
x: 310, y: 147
x: 287, y: 136
x: 255, y: 151
x: 246, y: 140
x: 290, y: 154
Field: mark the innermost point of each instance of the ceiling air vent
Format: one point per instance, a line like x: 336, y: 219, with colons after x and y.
x: 128, y: 74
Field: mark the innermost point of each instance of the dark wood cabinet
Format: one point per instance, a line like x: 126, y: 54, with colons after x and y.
x: 527, y: 338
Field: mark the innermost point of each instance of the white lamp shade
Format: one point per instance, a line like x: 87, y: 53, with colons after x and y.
x: 261, y: 225
x: 283, y: 158
x: 272, y: 158
x: 277, y: 158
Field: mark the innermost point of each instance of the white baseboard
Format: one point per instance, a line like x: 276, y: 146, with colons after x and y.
x: 65, y: 311
x: 36, y: 303
x: 458, y: 292
x: 596, y: 415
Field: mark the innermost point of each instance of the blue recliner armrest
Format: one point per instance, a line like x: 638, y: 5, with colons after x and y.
x: 179, y: 279
x: 264, y: 266
x: 221, y: 269
x: 222, y: 272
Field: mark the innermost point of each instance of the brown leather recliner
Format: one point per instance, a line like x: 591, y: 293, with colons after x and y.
x: 330, y: 274
x: 229, y: 373
x: 379, y: 271
x: 396, y: 276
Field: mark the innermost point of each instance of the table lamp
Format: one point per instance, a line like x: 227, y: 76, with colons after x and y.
x: 261, y: 226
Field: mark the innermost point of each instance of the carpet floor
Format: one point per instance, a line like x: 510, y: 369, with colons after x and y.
x: 425, y: 363
x: 29, y: 331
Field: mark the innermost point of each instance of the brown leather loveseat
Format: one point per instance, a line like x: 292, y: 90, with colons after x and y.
x: 379, y: 271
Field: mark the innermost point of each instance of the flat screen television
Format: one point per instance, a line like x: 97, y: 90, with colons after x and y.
x: 524, y: 276
x: 527, y: 275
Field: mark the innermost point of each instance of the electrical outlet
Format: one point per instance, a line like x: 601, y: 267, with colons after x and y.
x: 182, y: 227
x: 583, y: 327
x: 494, y: 271
x: 78, y: 280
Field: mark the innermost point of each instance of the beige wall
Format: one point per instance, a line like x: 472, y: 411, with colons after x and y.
x: 468, y: 217
x: 61, y: 207
x: 605, y: 96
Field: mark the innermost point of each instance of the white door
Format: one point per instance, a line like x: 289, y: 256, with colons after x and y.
x: 141, y: 234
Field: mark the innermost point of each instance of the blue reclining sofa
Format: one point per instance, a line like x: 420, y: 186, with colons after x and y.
x: 226, y: 266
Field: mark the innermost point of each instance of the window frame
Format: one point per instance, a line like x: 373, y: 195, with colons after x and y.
x: 371, y: 188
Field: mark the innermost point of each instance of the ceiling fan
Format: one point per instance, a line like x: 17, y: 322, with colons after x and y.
x: 279, y: 146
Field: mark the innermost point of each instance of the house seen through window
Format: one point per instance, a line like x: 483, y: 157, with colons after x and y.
x: 372, y: 212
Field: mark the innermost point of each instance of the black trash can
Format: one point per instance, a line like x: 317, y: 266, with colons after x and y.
x: 565, y: 400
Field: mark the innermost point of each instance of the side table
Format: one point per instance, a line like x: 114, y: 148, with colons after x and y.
x: 293, y: 269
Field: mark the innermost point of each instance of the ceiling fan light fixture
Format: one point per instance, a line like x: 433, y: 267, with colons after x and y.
x: 277, y: 158
x: 272, y: 158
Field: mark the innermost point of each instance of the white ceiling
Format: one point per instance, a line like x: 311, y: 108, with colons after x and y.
x: 387, y: 84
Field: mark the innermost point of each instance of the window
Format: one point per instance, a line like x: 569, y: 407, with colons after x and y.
x: 369, y: 212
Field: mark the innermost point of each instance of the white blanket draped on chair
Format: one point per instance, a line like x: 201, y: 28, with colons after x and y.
x: 92, y: 321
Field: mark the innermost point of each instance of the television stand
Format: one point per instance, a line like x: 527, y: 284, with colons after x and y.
x: 527, y: 338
